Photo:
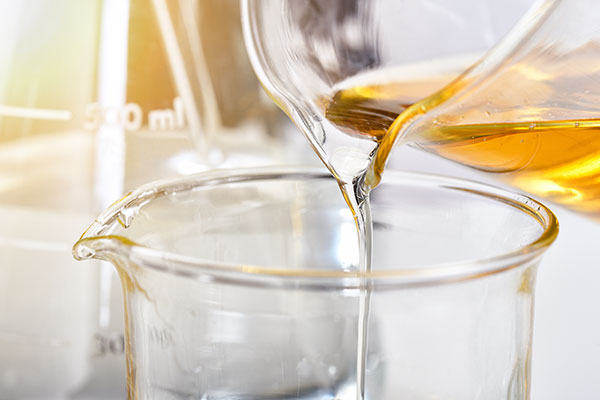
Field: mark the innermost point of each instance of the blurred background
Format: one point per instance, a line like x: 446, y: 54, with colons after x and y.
x: 96, y: 98
x: 100, y: 96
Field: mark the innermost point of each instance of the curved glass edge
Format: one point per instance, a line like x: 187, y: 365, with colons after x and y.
x: 94, y: 242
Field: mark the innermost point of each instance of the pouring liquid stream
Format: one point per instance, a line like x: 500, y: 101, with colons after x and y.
x: 381, y: 125
x: 358, y: 202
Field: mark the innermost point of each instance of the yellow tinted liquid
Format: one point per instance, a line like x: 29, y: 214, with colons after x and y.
x: 558, y: 160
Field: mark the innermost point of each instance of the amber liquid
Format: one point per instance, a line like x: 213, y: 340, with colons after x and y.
x: 558, y: 160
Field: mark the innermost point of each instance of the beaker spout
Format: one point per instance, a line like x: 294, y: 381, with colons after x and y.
x: 105, y: 248
x: 82, y: 251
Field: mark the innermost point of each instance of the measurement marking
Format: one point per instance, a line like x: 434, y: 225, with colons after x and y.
x: 35, y: 113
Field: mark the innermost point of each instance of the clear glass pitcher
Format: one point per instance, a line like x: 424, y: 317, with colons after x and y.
x: 496, y: 87
x: 98, y: 97
x: 245, y: 284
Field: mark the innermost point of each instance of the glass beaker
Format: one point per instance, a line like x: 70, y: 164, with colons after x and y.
x: 245, y: 284
x: 306, y: 54
x: 490, y: 86
x: 98, y: 97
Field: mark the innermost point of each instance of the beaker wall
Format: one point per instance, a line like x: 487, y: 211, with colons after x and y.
x: 192, y: 339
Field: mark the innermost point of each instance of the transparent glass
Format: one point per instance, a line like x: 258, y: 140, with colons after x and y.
x: 304, y: 52
x: 98, y: 97
x: 245, y: 284
x: 502, y: 88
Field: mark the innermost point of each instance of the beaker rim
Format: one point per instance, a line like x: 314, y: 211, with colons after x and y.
x: 255, y: 275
